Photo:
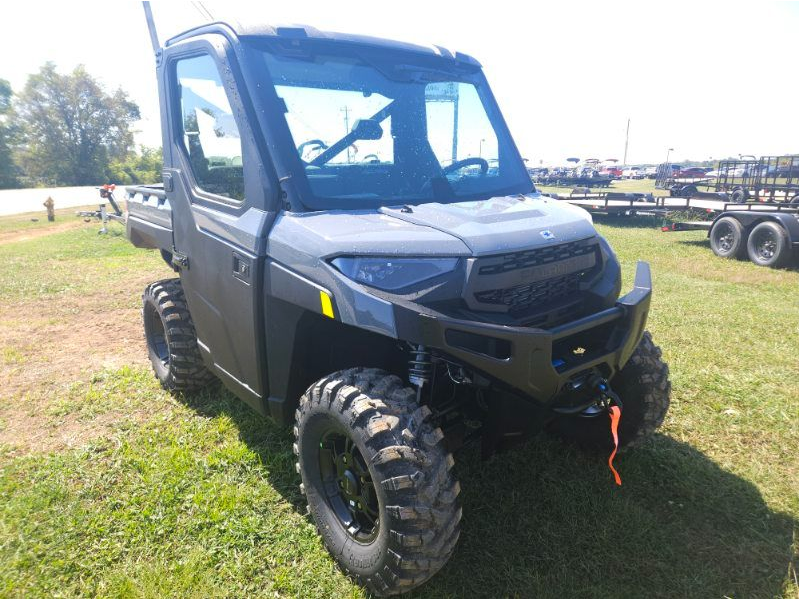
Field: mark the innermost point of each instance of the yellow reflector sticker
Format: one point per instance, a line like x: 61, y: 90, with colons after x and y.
x: 327, y: 305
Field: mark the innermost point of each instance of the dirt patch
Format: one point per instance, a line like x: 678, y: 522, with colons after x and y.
x: 57, y: 339
x: 24, y: 433
x: 34, y: 233
x: 48, y: 345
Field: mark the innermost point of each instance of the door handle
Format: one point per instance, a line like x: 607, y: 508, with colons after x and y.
x: 241, y: 267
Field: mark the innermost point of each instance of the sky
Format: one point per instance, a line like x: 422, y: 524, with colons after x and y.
x: 709, y: 81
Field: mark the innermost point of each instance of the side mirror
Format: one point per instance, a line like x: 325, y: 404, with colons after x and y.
x: 368, y: 129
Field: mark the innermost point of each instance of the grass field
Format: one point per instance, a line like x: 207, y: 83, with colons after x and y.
x: 620, y: 185
x: 110, y: 487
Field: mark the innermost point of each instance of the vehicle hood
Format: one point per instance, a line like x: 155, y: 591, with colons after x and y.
x: 502, y: 224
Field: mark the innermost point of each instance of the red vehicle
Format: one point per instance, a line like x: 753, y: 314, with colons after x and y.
x: 611, y: 171
x: 693, y: 172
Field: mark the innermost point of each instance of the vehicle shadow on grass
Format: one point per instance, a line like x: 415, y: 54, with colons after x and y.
x: 702, y: 243
x: 545, y: 520
x: 629, y: 222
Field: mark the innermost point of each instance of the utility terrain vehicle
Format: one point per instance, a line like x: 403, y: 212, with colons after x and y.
x: 362, y: 256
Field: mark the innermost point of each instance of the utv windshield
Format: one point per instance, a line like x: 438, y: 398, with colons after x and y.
x: 370, y: 130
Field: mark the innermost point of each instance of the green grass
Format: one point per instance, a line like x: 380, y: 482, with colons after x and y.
x: 66, y: 262
x: 32, y: 221
x: 198, y: 496
x: 619, y: 185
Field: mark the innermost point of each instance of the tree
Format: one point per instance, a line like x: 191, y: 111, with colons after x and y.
x: 8, y: 171
x: 142, y: 167
x: 70, y: 128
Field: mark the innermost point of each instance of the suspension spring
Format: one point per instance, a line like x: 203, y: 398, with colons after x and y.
x: 420, y: 366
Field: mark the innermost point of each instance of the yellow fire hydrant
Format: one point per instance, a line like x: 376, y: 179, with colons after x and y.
x: 49, y: 203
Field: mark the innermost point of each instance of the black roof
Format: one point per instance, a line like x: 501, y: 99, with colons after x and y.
x: 307, y: 32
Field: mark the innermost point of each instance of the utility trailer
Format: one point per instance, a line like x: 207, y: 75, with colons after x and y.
x: 614, y: 203
x: 769, y: 179
x: 632, y: 204
x: 764, y: 179
x: 767, y: 233
x: 680, y: 187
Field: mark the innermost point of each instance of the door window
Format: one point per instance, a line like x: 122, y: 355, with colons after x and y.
x: 209, y: 133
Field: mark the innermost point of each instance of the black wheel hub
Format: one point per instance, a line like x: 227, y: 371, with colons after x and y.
x: 726, y: 238
x: 765, y: 245
x: 348, y: 486
x: 157, y: 336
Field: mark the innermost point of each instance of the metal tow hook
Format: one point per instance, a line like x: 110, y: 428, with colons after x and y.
x: 608, y: 397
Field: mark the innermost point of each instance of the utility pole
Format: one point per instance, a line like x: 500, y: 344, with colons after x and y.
x: 346, y: 110
x: 626, y: 141
x: 455, y: 129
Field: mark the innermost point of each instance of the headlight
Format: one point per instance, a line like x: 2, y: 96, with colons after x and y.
x: 393, y: 273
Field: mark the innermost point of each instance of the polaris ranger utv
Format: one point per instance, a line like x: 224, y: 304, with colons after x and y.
x: 362, y: 256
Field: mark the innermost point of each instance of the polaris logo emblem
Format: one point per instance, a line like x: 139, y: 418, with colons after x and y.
x: 547, y: 234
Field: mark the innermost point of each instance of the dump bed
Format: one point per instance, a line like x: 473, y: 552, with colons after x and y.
x: 149, y: 223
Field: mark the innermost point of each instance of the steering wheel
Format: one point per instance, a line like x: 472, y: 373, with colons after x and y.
x: 316, y: 143
x: 459, y: 164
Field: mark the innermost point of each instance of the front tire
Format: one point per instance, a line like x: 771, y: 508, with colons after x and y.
x: 645, y: 391
x: 377, y: 478
x: 171, y: 338
x: 728, y: 238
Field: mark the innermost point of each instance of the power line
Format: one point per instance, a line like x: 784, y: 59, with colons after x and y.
x: 204, y: 12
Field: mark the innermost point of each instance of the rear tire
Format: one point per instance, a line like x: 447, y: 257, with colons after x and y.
x: 172, y: 339
x: 366, y: 451
x: 768, y: 245
x: 728, y: 238
x: 739, y: 195
x: 645, y: 391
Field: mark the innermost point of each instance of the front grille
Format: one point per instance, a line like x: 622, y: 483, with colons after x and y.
x: 538, y: 256
x: 522, y: 297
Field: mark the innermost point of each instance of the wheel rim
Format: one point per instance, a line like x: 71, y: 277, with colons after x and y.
x: 348, y: 486
x: 158, y: 342
x: 765, y: 245
x: 725, y: 239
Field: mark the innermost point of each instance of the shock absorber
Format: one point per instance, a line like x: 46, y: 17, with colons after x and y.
x: 420, y: 366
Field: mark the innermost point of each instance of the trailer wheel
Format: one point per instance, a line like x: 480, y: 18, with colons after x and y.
x: 645, y: 391
x: 739, y: 195
x: 171, y: 338
x: 377, y: 477
x: 688, y: 191
x: 727, y: 238
x: 768, y: 245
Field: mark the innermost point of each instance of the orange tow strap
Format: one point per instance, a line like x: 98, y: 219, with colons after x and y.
x: 615, y: 416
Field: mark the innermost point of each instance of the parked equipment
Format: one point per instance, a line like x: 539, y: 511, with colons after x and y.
x: 679, y: 185
x: 389, y: 309
x: 102, y: 214
x: 767, y: 179
x: 764, y: 179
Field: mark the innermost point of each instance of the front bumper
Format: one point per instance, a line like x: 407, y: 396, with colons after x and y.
x: 537, y: 362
